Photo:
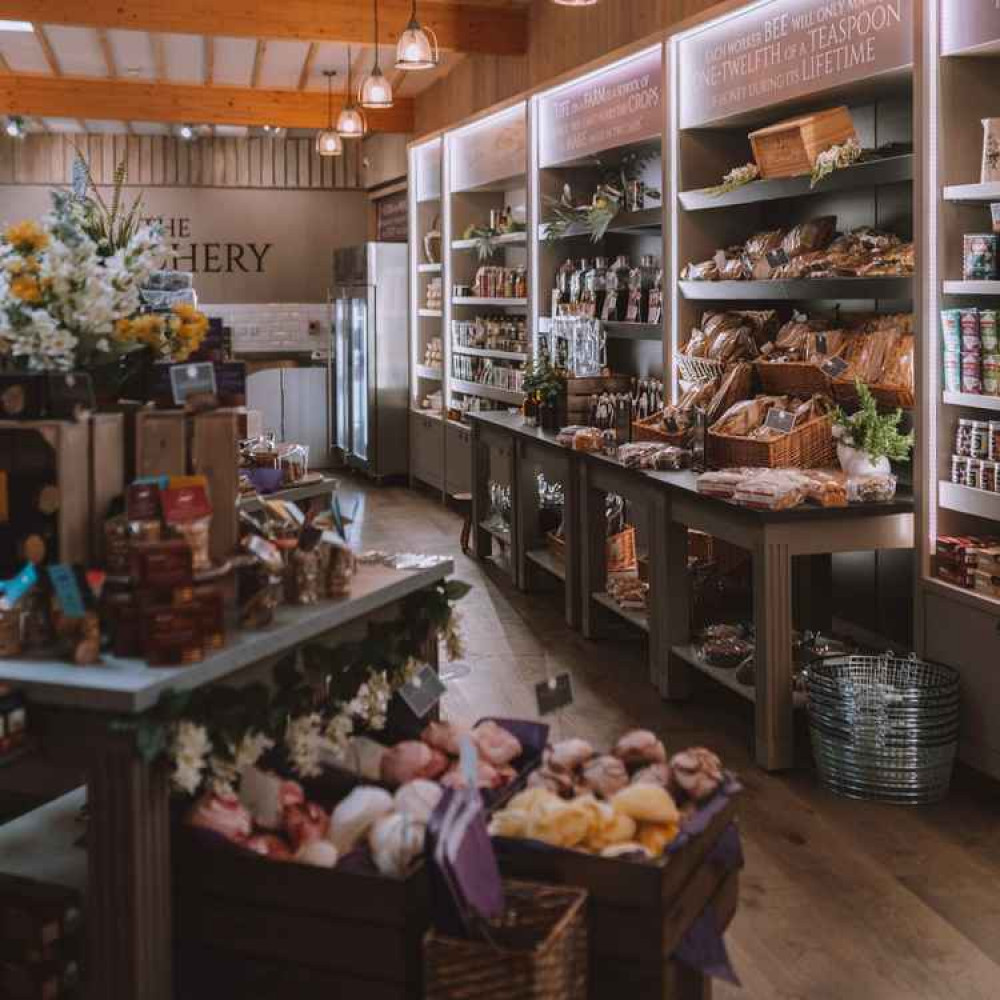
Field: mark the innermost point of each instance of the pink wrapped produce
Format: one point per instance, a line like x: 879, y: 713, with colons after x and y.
x: 305, y: 823
x: 639, y: 748
x: 605, y: 775
x: 697, y: 772
x: 495, y: 744
x: 568, y: 755
x: 444, y: 736
x: 224, y: 815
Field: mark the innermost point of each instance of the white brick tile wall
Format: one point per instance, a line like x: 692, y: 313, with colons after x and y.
x: 275, y: 327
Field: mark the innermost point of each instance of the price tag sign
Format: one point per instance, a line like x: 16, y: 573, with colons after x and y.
x: 554, y: 694
x: 834, y: 367
x: 195, y: 379
x: 780, y: 420
x: 423, y: 692
x: 67, y: 588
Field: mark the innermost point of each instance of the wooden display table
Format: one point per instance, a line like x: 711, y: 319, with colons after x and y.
x: 72, y: 708
x: 312, y: 491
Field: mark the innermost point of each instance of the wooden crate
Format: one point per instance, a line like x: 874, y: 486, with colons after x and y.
x: 107, y: 473
x: 638, y: 912
x: 215, y: 455
x: 580, y: 390
x: 790, y: 148
x: 352, y: 934
x: 160, y: 443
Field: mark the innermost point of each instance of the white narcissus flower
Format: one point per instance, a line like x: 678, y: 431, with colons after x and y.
x: 189, y: 751
x: 303, y: 740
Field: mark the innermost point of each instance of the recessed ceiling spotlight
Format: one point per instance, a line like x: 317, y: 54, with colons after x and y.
x: 276, y: 130
x: 14, y: 127
x: 187, y: 132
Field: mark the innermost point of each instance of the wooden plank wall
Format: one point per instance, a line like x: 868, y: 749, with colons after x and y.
x: 163, y: 161
x: 559, y: 39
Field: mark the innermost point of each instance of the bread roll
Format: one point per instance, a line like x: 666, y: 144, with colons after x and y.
x: 646, y: 804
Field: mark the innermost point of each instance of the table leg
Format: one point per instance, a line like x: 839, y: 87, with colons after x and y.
x: 129, y: 916
x: 772, y: 595
x: 685, y: 983
x: 482, y: 540
x: 571, y: 533
x: 813, y: 580
x: 593, y: 551
x: 676, y: 678
x: 524, y: 514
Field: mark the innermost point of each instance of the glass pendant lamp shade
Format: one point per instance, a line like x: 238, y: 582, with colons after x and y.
x: 376, y: 91
x: 351, y: 122
x: 417, y: 47
x: 328, y: 142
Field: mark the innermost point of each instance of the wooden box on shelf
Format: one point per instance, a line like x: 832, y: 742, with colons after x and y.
x: 810, y: 446
x: 580, y: 390
x: 160, y: 443
x: 215, y: 455
x: 790, y: 148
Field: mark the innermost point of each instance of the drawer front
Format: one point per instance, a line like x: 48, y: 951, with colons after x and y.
x: 969, y: 640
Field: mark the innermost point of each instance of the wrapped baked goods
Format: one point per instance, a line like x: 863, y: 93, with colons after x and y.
x: 444, y: 736
x: 569, y: 754
x: 825, y: 487
x: 355, y: 815
x: 412, y: 759
x: 653, y: 774
x: 496, y: 745
x: 305, y: 823
x: 418, y: 799
x: 761, y: 244
x: 698, y: 772
x: 589, y: 439
x: 728, y: 653
x: 721, y: 484
x: 871, y: 489
x: 707, y: 270
x: 604, y: 775
x: 736, y: 385
x: 811, y: 236
x: 396, y: 842
x: 774, y: 489
x: 647, y: 804
x: 640, y: 747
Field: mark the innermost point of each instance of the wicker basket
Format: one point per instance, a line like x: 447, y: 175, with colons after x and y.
x: 540, y: 952
x: 810, y: 446
x: 651, y: 429
x: 792, y: 378
x: 698, y: 369
x: 845, y: 393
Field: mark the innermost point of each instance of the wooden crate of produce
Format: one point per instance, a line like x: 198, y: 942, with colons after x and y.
x: 354, y: 933
x: 638, y: 913
x: 790, y: 148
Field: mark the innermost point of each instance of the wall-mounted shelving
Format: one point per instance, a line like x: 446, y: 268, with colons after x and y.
x: 967, y: 500
x: 489, y: 352
x: 475, y: 301
x: 429, y: 268
x: 800, y: 290
x: 485, y: 391
x: 977, y: 289
x: 503, y: 240
x: 972, y: 400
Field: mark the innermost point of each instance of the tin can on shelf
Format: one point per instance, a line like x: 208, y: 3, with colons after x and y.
x: 951, y: 366
x: 972, y: 339
x: 988, y: 332
x: 994, y: 448
x: 973, y: 473
x: 988, y: 477
x: 979, y: 259
x: 959, y: 470
x: 963, y: 438
x: 951, y: 330
x: 980, y: 439
x: 972, y: 374
x: 991, y: 375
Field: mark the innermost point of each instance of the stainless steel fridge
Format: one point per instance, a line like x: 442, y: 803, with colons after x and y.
x: 371, y: 367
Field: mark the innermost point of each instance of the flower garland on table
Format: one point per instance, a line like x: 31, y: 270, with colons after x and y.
x: 305, y: 716
x: 60, y: 299
x: 837, y: 157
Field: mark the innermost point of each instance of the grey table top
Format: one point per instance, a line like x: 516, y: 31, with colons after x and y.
x: 304, y: 491
x: 130, y: 686
x: 42, y: 844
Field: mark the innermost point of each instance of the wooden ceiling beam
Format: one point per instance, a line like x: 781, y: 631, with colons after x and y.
x: 209, y: 55
x: 459, y: 26
x: 258, y: 62
x: 131, y: 100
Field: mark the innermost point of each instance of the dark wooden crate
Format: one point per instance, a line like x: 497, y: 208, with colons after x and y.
x: 638, y: 912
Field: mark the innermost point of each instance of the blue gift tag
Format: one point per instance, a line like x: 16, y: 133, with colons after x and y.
x: 67, y: 588
x: 16, y: 587
x: 468, y: 759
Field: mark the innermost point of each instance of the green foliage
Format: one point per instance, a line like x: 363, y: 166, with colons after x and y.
x: 876, y: 434
x: 111, y: 227
x: 543, y: 381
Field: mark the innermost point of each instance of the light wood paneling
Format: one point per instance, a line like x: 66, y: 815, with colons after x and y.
x: 559, y: 39
x: 163, y: 161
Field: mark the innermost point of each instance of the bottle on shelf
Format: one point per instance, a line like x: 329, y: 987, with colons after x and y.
x: 654, y: 311
x: 576, y: 289
x: 616, y: 300
x: 633, y: 310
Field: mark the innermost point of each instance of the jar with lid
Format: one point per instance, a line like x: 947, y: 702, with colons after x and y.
x: 980, y: 439
x: 963, y: 438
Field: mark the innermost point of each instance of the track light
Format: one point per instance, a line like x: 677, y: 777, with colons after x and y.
x: 14, y: 127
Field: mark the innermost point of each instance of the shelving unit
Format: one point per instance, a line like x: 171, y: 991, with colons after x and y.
x: 548, y: 562
x: 586, y: 128
x: 427, y: 436
x: 799, y: 290
x: 486, y: 171
x: 961, y: 53
x: 637, y: 619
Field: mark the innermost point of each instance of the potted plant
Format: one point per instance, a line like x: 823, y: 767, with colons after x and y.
x: 868, y: 441
x: 543, y: 386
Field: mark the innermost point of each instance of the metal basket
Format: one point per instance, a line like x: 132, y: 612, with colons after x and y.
x: 698, y: 370
x: 883, y: 727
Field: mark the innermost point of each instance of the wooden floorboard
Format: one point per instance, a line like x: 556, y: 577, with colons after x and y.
x: 840, y: 900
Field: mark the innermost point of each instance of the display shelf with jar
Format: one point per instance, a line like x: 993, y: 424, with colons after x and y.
x: 427, y: 436
x: 959, y: 558
x: 486, y: 276
x: 599, y: 218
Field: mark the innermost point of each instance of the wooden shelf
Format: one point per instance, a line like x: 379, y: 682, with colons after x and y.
x: 967, y: 500
x: 971, y: 288
x: 493, y: 303
x: 981, y: 602
x: 875, y: 173
x: 429, y: 414
x: 633, y: 331
x: 486, y: 352
x: 649, y: 220
x: 425, y: 371
x: 487, y: 392
x: 725, y: 676
x: 506, y: 240
x: 971, y: 399
x: 639, y: 619
x: 800, y: 289
x: 972, y: 194
x: 430, y: 313
x: 548, y: 562
x: 429, y: 268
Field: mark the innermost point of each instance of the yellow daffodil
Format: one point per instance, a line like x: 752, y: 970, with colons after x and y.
x: 26, y: 288
x: 26, y: 237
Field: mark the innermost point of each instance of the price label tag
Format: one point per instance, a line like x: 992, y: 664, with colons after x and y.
x: 780, y: 420
x: 821, y: 344
x: 195, y: 379
x: 554, y: 694
x: 834, y: 367
x: 423, y: 692
x: 67, y: 588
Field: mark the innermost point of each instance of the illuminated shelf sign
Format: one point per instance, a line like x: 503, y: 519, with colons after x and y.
x: 969, y: 24
x: 490, y: 151
x: 617, y: 106
x: 789, y: 49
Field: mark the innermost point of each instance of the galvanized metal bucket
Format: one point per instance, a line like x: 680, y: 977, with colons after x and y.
x: 884, y: 727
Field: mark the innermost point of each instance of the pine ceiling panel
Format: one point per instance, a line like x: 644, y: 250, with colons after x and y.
x: 150, y: 128
x: 234, y: 61
x: 283, y: 63
x: 133, y: 54
x: 77, y: 50
x: 22, y: 52
x: 62, y: 124
x: 185, y: 58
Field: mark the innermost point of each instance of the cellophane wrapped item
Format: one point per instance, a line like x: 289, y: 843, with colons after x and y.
x: 871, y: 489
x: 723, y: 483
x: 772, y: 489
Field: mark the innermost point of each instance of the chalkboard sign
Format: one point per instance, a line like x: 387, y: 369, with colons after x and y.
x: 392, y: 218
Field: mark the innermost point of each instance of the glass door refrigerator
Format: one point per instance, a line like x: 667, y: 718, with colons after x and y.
x: 371, y: 371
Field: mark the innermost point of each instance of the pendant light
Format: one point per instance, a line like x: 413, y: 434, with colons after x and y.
x: 417, y: 47
x: 577, y: 3
x: 376, y: 91
x: 351, y: 122
x: 328, y: 141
